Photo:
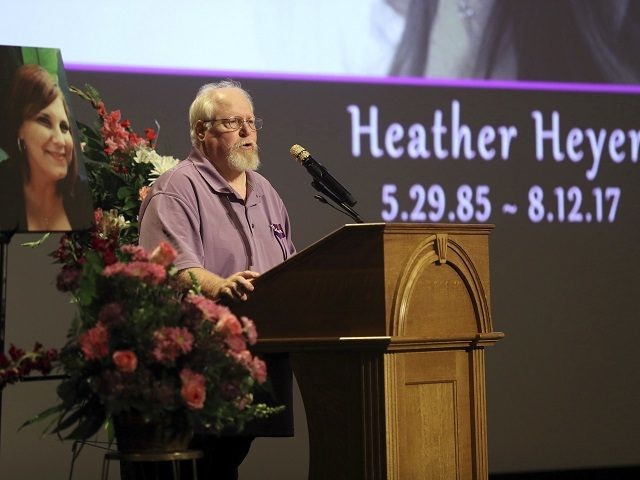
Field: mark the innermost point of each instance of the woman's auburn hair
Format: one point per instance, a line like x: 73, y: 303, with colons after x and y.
x: 33, y: 89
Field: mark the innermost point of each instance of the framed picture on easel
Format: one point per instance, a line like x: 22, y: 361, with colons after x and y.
x: 43, y: 184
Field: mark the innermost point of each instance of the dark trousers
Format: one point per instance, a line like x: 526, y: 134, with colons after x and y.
x: 222, y: 456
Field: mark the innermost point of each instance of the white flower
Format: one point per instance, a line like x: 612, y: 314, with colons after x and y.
x: 161, y: 165
x: 144, y: 155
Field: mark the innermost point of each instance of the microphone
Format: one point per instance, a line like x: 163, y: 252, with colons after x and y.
x: 321, y: 175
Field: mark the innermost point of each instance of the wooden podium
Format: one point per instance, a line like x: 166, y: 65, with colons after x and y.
x: 386, y: 325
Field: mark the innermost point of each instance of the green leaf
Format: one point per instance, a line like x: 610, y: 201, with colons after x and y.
x: 111, y: 431
x: 81, y: 93
x: 68, y: 419
x: 87, y: 427
x: 67, y: 391
x: 36, y: 243
x: 124, y: 192
x: 132, y: 204
x: 42, y: 415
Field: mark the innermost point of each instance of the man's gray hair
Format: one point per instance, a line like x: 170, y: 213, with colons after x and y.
x: 203, y: 106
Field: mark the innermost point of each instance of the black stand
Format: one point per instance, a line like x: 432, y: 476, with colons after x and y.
x: 5, y: 238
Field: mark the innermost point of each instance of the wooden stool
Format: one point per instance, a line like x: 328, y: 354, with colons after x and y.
x: 128, y: 461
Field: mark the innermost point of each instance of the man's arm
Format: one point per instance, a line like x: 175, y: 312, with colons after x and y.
x: 236, y: 287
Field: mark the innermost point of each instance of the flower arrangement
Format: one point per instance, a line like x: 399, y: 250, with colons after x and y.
x: 121, y: 166
x: 140, y: 344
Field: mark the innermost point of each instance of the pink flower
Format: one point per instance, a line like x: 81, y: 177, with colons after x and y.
x: 193, y: 388
x: 258, y: 370
x: 169, y: 342
x: 137, y: 253
x: 210, y: 309
x: 125, y: 360
x: 229, y: 325
x: 150, y: 273
x: 116, y: 134
x: 249, y: 329
x: 94, y: 343
x: 236, y: 343
x: 164, y: 254
x: 242, y: 357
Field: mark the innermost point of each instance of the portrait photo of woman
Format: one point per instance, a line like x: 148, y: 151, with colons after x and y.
x: 39, y: 181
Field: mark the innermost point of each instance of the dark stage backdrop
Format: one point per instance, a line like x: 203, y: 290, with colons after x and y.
x: 556, y: 172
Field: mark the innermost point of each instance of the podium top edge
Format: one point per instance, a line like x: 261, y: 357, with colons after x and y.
x: 420, y: 227
x: 383, y: 228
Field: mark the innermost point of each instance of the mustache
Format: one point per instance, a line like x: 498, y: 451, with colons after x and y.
x: 241, y: 144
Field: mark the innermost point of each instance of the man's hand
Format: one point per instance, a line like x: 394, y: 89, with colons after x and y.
x: 236, y: 287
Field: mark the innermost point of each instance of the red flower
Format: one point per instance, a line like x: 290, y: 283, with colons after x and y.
x: 106, y: 247
x: 94, y: 343
x: 193, y: 388
x: 150, y: 134
x: 125, y: 360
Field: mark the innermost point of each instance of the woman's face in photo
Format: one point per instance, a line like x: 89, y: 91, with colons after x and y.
x: 48, y: 142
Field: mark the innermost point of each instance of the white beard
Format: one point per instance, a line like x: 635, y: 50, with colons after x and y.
x: 243, y: 161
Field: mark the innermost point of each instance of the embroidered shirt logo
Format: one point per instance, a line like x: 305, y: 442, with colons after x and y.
x: 277, y: 229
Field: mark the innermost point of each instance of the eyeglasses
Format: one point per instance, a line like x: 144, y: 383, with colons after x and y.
x: 236, y: 123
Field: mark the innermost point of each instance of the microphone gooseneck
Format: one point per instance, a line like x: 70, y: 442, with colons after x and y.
x: 321, y: 175
x: 324, y: 183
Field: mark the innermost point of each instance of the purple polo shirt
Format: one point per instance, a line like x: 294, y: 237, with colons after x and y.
x: 194, y: 209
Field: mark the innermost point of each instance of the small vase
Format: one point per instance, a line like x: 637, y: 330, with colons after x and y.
x: 135, y: 435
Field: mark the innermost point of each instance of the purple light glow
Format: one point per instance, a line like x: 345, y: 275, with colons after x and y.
x: 408, y: 81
